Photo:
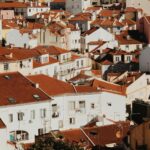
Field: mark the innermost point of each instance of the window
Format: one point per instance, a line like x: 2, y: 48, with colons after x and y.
x: 6, y: 66
x: 72, y: 105
x: 20, y: 116
x: 77, y: 63
x: 32, y: 114
x: 10, y: 117
x: 82, y: 104
x: 55, y: 111
x: 21, y: 65
x: 72, y: 120
x: 81, y: 62
x: 92, y: 105
x: 117, y: 59
x: 127, y: 46
x: 109, y: 104
x: 43, y: 113
x: 128, y: 58
x: 40, y: 131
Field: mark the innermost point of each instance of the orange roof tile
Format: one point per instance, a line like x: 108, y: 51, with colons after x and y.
x: 17, y: 89
x: 110, y: 87
x: 55, y: 87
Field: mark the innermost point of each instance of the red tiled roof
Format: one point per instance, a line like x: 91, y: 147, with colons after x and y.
x: 106, y: 62
x: 14, y: 86
x: 88, y: 32
x: 14, y: 54
x: 56, y: 87
x: 101, y: 135
x: 2, y: 125
x: 110, y: 87
x: 52, y: 50
x: 12, y: 5
x: 109, y: 13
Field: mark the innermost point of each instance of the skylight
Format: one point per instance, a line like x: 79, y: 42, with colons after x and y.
x: 11, y: 100
x: 36, y: 96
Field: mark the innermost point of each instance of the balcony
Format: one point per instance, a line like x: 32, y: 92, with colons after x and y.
x: 55, y: 115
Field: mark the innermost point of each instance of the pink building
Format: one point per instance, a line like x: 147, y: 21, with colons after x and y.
x: 7, y: 14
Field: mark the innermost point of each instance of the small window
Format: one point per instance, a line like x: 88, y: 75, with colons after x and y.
x: 20, y: 116
x: 72, y: 120
x: 92, y: 105
x: 32, y: 114
x: 109, y: 104
x: 36, y: 96
x: 6, y: 66
x: 43, y: 113
x: 71, y: 105
x: 82, y: 104
x: 10, y: 117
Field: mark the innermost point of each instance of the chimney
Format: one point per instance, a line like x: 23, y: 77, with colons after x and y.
x: 36, y: 85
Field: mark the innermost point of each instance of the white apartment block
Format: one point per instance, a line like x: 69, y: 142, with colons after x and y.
x: 143, y: 4
x: 77, y: 6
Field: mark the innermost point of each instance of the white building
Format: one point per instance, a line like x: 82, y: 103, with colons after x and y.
x: 40, y: 103
x: 19, y: 38
x: 24, y: 109
x: 77, y: 6
x: 61, y: 35
x: 143, y: 4
x: 95, y: 34
x: 74, y: 106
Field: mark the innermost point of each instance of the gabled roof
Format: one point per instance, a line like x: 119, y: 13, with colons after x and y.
x: 17, y: 89
x: 14, y: 54
x: 90, y: 31
x: 97, y: 135
x: 109, y: 87
x: 54, y: 87
x: 12, y: 5
x: 109, y: 13
x: 52, y: 50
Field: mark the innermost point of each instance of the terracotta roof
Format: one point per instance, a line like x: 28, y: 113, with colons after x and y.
x: 80, y: 76
x: 2, y: 125
x: 110, y: 87
x: 74, y: 56
x: 109, y: 13
x: 101, y: 135
x: 106, y: 62
x: 97, y: 72
x: 37, y: 64
x: 52, y: 50
x: 90, y: 31
x: 54, y: 87
x: 14, y: 54
x: 130, y: 9
x: 123, y: 39
x: 82, y: 17
x: 12, y: 5
x: 17, y: 89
